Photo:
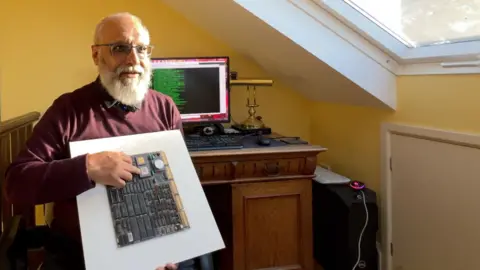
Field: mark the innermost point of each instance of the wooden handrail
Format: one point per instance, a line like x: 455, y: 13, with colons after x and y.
x: 10, y: 125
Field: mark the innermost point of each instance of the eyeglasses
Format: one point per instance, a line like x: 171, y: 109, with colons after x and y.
x: 123, y: 50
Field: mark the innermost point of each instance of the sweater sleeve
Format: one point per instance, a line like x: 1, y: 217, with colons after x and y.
x: 43, y: 171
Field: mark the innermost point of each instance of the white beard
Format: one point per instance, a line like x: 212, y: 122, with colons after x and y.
x: 130, y: 91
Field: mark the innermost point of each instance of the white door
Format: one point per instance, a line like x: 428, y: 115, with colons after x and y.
x: 435, y: 205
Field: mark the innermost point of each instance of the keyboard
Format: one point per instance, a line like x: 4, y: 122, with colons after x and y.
x: 215, y: 142
x: 149, y: 206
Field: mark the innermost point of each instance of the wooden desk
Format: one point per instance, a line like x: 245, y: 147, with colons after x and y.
x: 262, y: 202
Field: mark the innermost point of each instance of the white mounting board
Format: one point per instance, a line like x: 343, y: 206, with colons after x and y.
x: 96, y: 225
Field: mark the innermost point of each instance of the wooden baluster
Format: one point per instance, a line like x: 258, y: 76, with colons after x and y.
x: 5, y: 157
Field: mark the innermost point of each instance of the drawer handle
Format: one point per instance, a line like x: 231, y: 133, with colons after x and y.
x: 272, y: 169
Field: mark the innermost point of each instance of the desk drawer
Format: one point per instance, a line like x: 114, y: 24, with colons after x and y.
x: 269, y: 168
x: 212, y: 171
x: 230, y: 170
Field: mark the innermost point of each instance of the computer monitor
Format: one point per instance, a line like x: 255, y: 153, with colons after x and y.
x: 199, y: 87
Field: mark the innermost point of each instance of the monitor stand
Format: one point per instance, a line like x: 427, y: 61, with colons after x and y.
x: 203, y: 129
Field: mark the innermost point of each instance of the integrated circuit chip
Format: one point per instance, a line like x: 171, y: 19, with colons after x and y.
x: 144, y: 171
x: 140, y: 160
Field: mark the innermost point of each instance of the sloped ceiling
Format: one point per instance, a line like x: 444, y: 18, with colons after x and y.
x: 288, y: 59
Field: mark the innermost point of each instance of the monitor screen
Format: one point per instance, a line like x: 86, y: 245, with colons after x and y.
x: 199, y: 86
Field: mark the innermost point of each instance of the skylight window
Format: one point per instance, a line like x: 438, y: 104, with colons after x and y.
x: 420, y: 23
x: 421, y: 36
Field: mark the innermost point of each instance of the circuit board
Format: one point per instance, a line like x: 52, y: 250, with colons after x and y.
x: 149, y: 206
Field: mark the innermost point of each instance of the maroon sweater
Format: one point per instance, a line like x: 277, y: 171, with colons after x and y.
x: 44, y: 172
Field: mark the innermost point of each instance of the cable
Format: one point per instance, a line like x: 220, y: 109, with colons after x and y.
x: 363, y: 230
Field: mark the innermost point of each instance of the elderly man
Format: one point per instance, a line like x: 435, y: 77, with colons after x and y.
x: 119, y: 102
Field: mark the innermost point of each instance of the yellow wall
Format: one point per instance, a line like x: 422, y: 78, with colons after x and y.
x: 352, y: 134
x: 45, y: 51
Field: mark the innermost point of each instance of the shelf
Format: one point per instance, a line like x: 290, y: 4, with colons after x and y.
x: 251, y: 82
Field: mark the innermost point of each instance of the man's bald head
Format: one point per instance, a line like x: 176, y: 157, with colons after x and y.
x: 121, y: 50
x: 117, y: 23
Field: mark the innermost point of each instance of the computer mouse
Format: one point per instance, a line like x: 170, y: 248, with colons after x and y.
x: 357, y: 185
x: 263, y: 141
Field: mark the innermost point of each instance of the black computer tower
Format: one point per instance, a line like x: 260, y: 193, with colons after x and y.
x: 338, y: 218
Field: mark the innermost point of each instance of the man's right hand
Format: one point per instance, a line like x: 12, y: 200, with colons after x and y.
x: 110, y: 168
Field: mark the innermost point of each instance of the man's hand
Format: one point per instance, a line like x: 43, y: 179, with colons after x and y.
x: 169, y: 266
x: 110, y: 168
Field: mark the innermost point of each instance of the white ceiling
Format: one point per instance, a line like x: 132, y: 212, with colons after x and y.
x: 282, y: 50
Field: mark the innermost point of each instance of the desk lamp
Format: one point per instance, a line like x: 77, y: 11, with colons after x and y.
x: 253, y: 122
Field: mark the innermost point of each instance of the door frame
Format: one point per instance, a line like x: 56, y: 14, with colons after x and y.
x: 421, y: 132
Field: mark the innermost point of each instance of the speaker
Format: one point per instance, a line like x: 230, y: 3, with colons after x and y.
x: 338, y: 218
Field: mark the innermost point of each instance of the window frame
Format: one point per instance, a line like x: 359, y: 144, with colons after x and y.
x: 411, y: 60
